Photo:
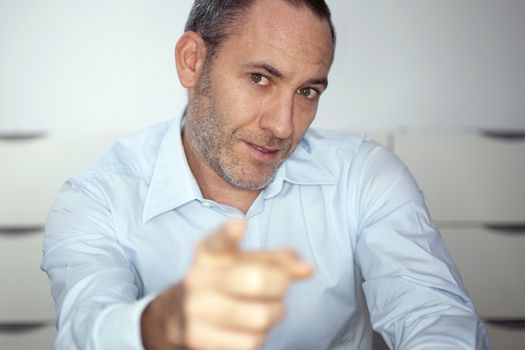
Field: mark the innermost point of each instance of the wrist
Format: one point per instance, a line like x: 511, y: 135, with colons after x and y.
x: 163, y: 321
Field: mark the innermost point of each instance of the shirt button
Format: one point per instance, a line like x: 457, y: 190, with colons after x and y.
x: 206, y: 205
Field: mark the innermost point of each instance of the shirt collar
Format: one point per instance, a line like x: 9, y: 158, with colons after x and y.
x: 301, y: 168
x: 173, y: 183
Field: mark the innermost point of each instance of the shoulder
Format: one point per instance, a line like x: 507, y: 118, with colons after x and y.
x: 361, y: 167
x: 366, y: 174
x: 134, y: 156
x: 339, y: 152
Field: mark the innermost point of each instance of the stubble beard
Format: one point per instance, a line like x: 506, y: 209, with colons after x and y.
x: 213, y: 140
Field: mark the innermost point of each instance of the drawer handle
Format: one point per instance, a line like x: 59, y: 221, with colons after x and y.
x: 22, y: 136
x: 20, y: 230
x: 510, y: 135
x: 511, y: 324
x: 518, y: 228
x: 23, y: 327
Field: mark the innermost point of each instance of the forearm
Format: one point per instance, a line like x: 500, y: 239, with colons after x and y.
x: 413, y: 290
x: 164, y: 313
x: 101, y: 315
x: 438, y: 332
x: 97, y: 290
x: 112, y: 327
x: 415, y: 316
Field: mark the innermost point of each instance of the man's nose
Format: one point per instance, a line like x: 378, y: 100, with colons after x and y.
x: 278, y: 116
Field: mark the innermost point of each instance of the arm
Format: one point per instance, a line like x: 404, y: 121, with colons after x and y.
x: 97, y: 292
x: 414, y: 292
x: 230, y: 299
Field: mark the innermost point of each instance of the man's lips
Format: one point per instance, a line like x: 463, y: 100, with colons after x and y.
x: 263, y: 149
x: 261, y: 153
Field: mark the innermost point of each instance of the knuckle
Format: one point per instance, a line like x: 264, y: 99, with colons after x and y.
x: 275, y: 278
x: 256, y: 279
x: 255, y: 342
x: 251, y: 341
x: 277, y: 283
x: 191, y: 336
x: 263, y: 318
x: 191, y: 304
x: 192, y: 279
x: 198, y: 303
x: 246, y: 279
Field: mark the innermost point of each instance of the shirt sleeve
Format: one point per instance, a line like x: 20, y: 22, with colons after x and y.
x: 413, y: 290
x: 97, y: 292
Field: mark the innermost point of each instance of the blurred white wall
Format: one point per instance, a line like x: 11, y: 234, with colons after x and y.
x: 89, y: 64
x: 445, y: 64
x: 432, y: 64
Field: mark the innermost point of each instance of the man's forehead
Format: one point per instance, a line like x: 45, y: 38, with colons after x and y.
x: 275, y: 31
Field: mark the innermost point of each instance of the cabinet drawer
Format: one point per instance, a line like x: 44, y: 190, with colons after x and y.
x: 467, y: 177
x: 25, y: 292
x: 33, y: 171
x: 503, y: 338
x: 492, y: 265
x: 41, y: 338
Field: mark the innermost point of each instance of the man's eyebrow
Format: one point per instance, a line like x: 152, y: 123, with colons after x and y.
x: 320, y: 81
x: 276, y: 73
x: 267, y: 67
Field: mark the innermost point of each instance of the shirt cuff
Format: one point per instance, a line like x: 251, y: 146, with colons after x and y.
x: 118, y: 327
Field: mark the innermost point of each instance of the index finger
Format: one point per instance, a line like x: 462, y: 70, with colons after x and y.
x: 283, y: 259
x: 226, y: 239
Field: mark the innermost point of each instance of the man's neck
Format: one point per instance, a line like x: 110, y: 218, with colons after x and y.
x: 214, y: 187
x: 227, y: 194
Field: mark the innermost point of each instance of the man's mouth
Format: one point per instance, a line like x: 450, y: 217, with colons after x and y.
x: 264, y: 149
x: 261, y: 153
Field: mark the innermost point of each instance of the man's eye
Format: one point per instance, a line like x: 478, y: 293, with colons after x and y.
x: 259, y: 79
x: 309, y: 93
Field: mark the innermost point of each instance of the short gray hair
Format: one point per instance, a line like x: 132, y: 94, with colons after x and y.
x: 215, y: 20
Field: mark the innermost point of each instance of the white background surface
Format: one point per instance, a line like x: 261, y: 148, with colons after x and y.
x: 445, y: 64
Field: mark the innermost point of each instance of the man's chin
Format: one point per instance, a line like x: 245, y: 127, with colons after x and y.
x: 252, y: 185
x: 256, y: 182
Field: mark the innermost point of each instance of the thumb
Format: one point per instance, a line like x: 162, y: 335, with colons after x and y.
x: 226, y: 239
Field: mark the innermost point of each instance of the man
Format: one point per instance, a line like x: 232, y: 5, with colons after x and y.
x: 233, y: 229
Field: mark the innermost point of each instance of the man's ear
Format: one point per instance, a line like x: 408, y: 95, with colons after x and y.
x: 190, y: 54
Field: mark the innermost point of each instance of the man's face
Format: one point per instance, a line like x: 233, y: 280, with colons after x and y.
x: 255, y: 100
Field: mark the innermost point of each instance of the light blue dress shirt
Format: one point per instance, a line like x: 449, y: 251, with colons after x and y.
x: 125, y: 228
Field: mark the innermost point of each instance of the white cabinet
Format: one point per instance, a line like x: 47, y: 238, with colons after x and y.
x: 506, y: 338
x: 33, y: 171
x: 492, y: 265
x: 25, y: 294
x: 467, y: 177
x: 28, y: 338
x: 474, y: 186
